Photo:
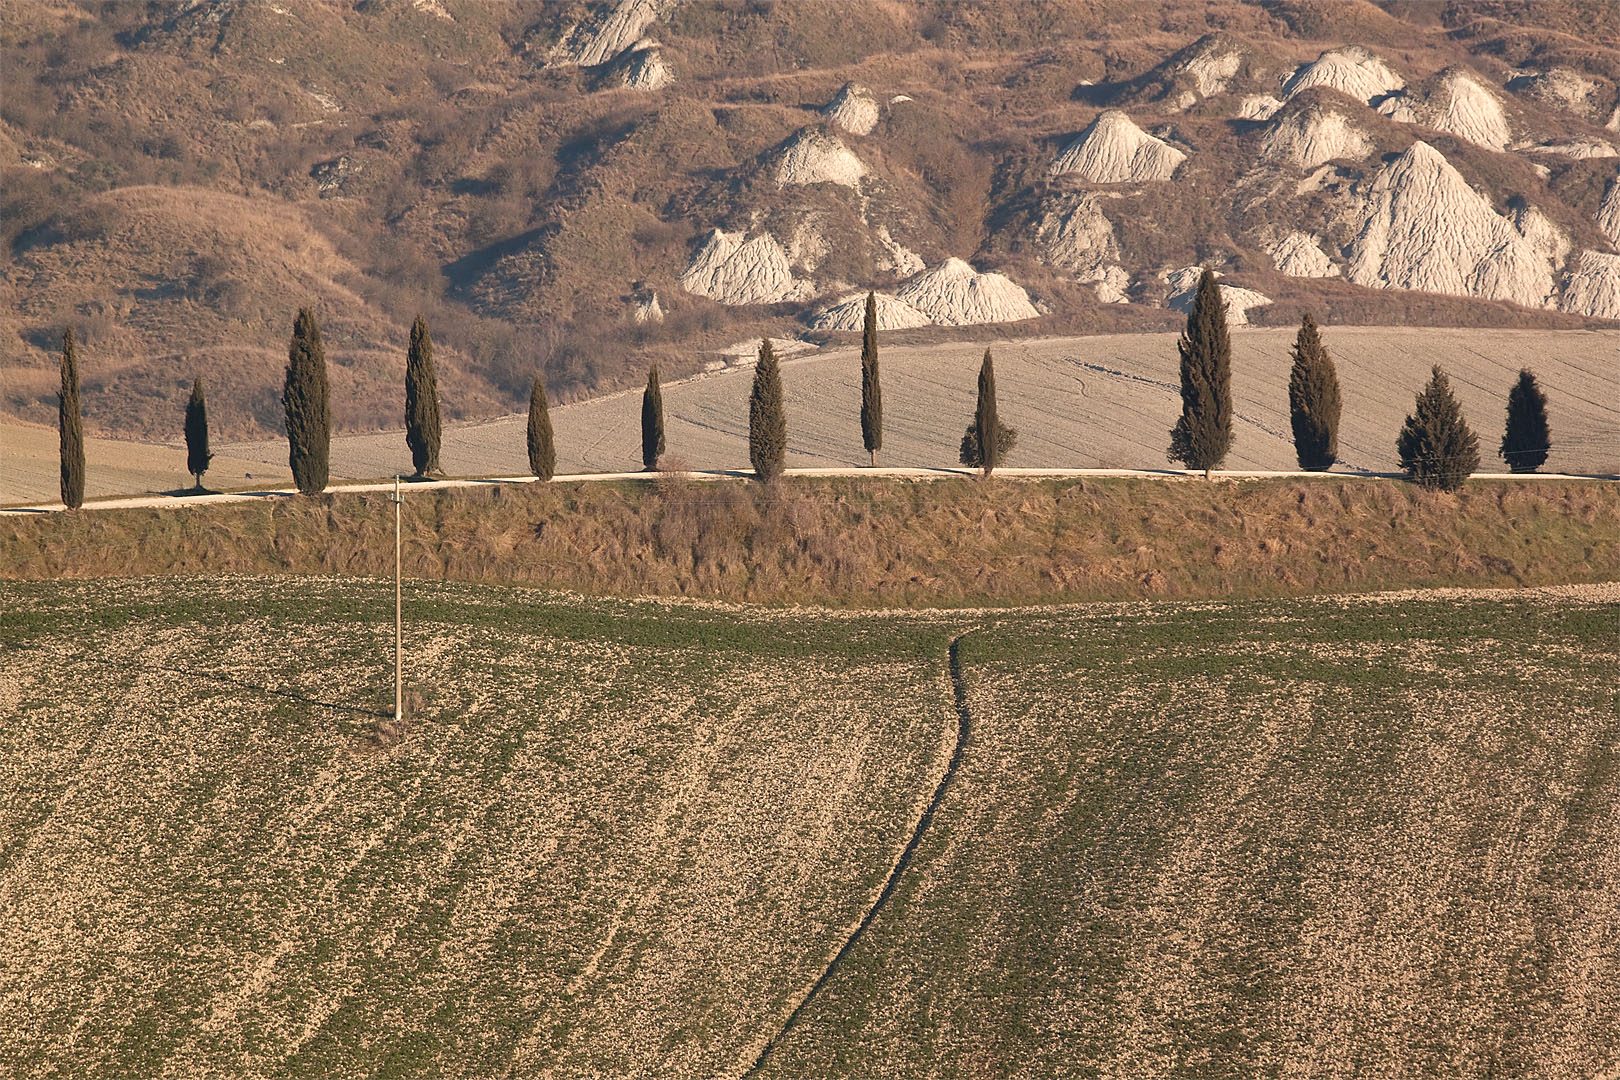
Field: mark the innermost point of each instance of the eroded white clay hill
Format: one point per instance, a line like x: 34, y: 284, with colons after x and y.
x: 732, y: 269
x: 1424, y: 228
x: 606, y: 34
x: 642, y: 67
x: 1184, y: 290
x: 1459, y: 104
x: 1300, y: 254
x: 1313, y: 135
x: 812, y: 156
x: 1113, y: 150
x: 1608, y: 215
x: 1542, y: 232
x: 1350, y: 69
x: 1258, y: 107
x: 854, y: 109
x: 1593, y: 286
x: 1212, y: 66
x: 1073, y: 234
x: 849, y: 314
x: 955, y: 294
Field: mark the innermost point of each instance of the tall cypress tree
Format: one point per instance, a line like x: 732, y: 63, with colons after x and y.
x: 652, y: 422
x: 542, y: 451
x: 70, y: 425
x: 1313, y: 400
x: 986, y: 424
x: 1437, y: 448
x: 1528, y: 437
x: 871, y: 392
x: 422, y: 401
x: 1203, y: 435
x: 767, y: 423
x: 197, y: 453
x: 304, y: 397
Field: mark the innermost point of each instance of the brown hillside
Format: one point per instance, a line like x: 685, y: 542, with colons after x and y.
x: 390, y: 158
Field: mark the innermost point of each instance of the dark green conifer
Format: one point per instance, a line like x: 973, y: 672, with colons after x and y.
x: 1203, y: 435
x: 871, y: 392
x: 987, y: 432
x: 1313, y: 400
x: 542, y: 451
x: 767, y: 423
x: 422, y: 401
x: 1437, y: 448
x: 652, y: 422
x: 1528, y: 437
x: 197, y: 453
x: 70, y: 425
x: 304, y: 396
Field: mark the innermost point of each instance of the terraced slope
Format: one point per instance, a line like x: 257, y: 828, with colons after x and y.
x: 626, y: 839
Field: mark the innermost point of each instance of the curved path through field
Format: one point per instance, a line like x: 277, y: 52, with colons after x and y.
x: 964, y: 730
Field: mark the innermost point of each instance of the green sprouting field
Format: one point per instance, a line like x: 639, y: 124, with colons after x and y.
x: 1324, y: 837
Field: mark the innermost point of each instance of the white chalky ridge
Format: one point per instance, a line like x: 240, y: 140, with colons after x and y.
x: 812, y: 156
x: 1460, y: 105
x: 1608, y: 215
x: 1300, y: 254
x: 854, y: 109
x: 849, y: 314
x: 608, y: 32
x: 1314, y: 135
x: 1593, y: 286
x: 1073, y: 234
x: 1424, y: 228
x: 954, y: 294
x: 1184, y: 291
x: 1350, y: 70
x: 734, y: 270
x: 1113, y: 150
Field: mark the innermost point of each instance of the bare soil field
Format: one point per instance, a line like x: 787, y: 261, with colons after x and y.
x: 30, y: 463
x: 876, y: 542
x: 1103, y: 401
x: 625, y: 838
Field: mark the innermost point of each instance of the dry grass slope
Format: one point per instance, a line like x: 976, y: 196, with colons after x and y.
x: 877, y: 543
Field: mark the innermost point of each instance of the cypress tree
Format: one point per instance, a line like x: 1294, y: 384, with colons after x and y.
x: 542, y: 451
x: 1436, y: 447
x: 197, y: 453
x: 1528, y: 437
x: 304, y: 397
x: 422, y: 401
x: 1313, y: 400
x: 767, y: 424
x: 1203, y: 435
x: 871, y: 392
x: 987, y: 428
x: 70, y: 425
x: 652, y: 422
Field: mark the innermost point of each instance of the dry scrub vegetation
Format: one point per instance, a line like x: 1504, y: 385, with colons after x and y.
x: 877, y: 543
x: 622, y: 838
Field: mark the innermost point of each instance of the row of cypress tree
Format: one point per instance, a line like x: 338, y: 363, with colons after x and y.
x: 1436, y: 447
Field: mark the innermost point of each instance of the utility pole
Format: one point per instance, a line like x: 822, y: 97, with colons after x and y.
x: 399, y: 619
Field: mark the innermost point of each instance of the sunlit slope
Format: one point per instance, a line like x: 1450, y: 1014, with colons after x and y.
x: 1313, y: 838
x: 617, y: 840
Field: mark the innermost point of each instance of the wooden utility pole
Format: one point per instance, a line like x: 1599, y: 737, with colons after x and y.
x: 399, y: 619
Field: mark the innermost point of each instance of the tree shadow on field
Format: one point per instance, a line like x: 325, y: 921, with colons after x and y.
x: 228, y: 680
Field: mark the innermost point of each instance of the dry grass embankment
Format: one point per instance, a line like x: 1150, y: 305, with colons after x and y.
x: 878, y: 543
